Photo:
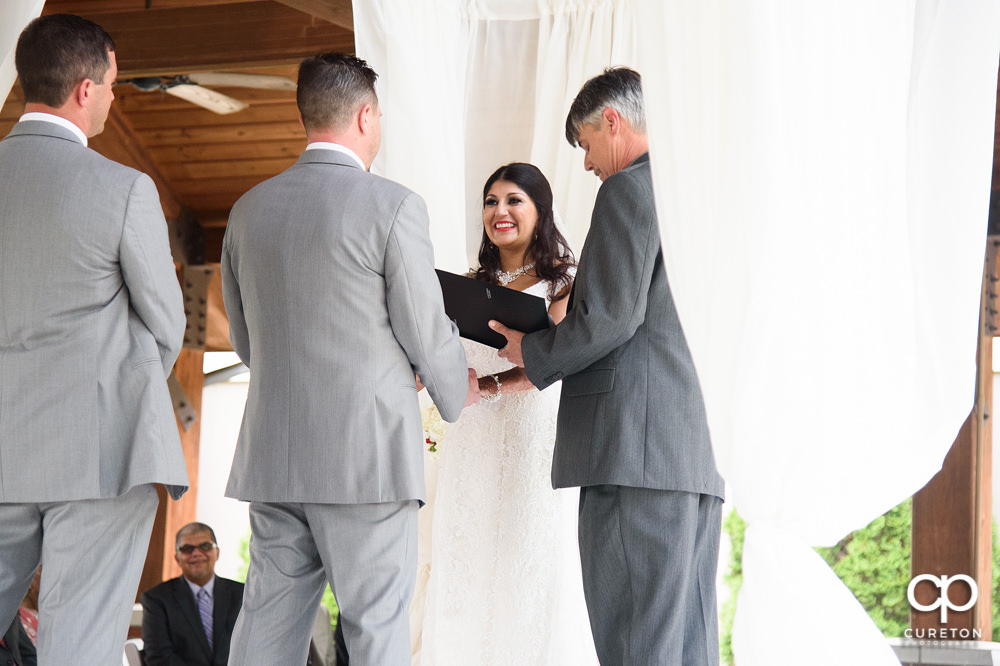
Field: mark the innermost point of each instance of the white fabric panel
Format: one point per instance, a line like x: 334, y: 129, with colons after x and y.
x: 469, y: 86
x: 822, y: 177
x: 14, y: 15
x: 419, y: 51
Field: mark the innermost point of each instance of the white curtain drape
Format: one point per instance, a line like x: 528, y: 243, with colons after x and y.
x: 822, y: 175
x: 14, y: 15
x: 466, y: 87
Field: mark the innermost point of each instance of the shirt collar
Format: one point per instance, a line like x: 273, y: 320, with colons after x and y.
x: 327, y: 145
x: 208, y: 587
x: 62, y: 122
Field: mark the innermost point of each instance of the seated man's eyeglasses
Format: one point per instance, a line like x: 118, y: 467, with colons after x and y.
x: 187, y: 549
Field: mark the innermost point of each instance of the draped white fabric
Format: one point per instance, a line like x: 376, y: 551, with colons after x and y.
x: 822, y: 175
x: 14, y: 15
x: 466, y: 87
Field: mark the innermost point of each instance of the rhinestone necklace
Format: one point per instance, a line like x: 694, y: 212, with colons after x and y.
x: 505, y: 278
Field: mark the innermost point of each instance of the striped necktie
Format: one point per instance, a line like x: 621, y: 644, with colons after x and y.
x: 205, y: 610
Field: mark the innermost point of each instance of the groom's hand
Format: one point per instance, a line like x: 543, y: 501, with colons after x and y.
x: 473, y: 395
x: 512, y: 352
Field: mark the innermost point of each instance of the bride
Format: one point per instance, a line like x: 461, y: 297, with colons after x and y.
x: 505, y: 584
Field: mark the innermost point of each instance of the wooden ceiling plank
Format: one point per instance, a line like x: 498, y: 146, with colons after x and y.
x: 214, y: 201
x: 228, y: 134
x: 130, y: 100
x: 119, y: 142
x: 203, y: 186
x: 226, y: 36
x: 228, y: 168
x: 195, y: 116
x: 82, y: 7
x: 337, y: 12
x: 196, y: 153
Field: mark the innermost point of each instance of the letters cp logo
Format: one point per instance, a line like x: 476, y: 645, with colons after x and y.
x: 943, y: 601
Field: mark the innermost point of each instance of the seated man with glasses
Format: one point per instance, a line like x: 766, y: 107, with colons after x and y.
x: 189, y: 620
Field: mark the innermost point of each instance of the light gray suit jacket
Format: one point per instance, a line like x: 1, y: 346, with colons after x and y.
x: 91, y: 322
x: 329, y: 284
x: 631, y: 412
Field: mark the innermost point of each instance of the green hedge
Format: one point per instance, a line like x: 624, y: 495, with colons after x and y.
x: 874, y: 563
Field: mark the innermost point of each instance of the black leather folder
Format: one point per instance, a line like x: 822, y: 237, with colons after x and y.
x: 472, y: 303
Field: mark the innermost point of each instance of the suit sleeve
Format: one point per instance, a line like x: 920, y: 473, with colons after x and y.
x: 158, y: 649
x: 620, y: 253
x: 148, y: 271
x: 239, y: 335
x: 416, y: 310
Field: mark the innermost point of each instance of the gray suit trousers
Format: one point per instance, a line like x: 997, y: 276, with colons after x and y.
x: 368, y: 552
x: 649, y: 560
x: 93, y: 552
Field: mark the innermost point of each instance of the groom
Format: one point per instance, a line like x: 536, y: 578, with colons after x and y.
x: 632, y: 431
x: 333, y: 303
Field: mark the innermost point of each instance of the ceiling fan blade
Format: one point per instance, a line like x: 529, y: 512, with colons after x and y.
x: 264, y: 81
x: 209, y: 99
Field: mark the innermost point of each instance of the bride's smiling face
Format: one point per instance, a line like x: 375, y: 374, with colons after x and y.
x: 509, y: 216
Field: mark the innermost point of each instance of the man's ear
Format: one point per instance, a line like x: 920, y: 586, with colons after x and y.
x: 613, y: 120
x: 83, y: 92
x: 364, y: 116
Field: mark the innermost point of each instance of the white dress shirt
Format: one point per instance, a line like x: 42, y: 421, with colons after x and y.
x: 326, y: 145
x: 62, y: 122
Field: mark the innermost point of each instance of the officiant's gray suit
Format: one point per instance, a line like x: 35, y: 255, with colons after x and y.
x: 333, y: 303
x: 632, y: 419
x: 91, y: 322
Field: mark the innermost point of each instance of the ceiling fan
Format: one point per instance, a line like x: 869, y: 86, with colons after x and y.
x: 189, y: 87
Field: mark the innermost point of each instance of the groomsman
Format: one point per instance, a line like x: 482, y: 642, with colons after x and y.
x: 632, y: 430
x: 91, y: 322
x: 333, y: 303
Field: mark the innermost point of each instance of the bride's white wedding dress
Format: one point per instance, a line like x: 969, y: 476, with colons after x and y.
x: 505, y: 585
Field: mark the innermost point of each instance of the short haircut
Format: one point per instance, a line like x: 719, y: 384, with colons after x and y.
x: 193, y: 528
x: 56, y: 52
x: 332, y: 88
x: 619, y: 88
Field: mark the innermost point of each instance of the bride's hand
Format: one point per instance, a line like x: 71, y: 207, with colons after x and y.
x: 473, y: 396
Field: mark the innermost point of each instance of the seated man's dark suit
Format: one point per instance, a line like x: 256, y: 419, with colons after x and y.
x: 172, y: 632
x: 16, y: 649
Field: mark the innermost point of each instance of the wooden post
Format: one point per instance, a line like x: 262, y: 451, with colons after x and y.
x: 190, y: 375
x: 952, y: 514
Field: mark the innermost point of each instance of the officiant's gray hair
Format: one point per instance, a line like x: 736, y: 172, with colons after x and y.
x: 619, y: 88
x: 331, y: 89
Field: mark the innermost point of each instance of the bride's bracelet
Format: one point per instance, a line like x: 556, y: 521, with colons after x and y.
x: 493, y: 397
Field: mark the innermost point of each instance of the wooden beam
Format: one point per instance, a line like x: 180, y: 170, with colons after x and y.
x: 952, y: 514
x: 178, y: 513
x: 79, y: 7
x: 337, y: 12
x: 120, y: 143
x: 217, y: 336
x: 227, y: 36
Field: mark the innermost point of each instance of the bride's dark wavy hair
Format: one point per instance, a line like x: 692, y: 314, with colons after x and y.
x: 548, y: 249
